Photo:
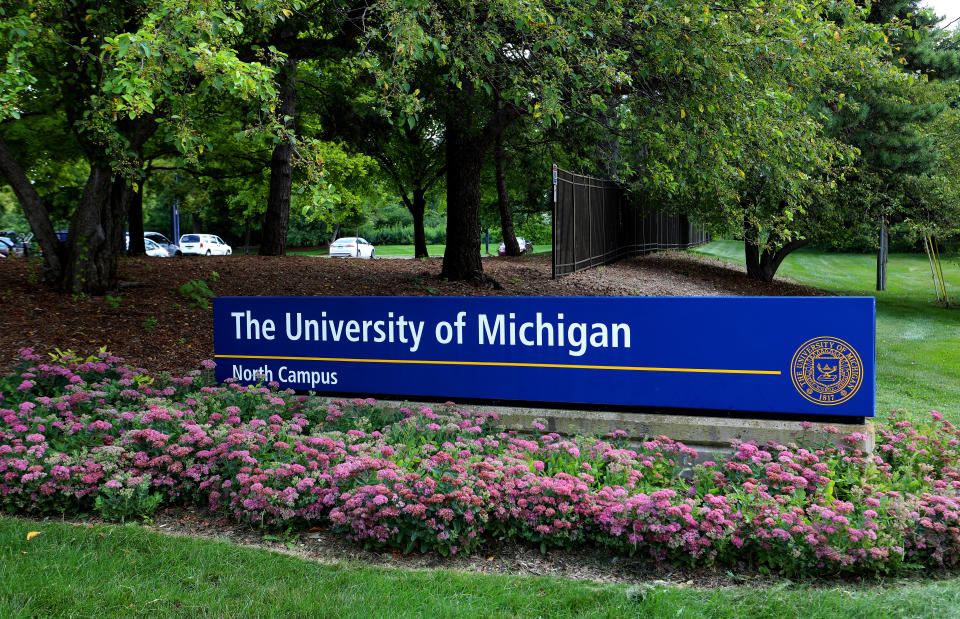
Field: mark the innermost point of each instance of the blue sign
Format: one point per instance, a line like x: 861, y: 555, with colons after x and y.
x: 807, y: 355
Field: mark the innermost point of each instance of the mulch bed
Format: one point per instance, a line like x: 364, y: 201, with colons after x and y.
x: 149, y: 323
x: 152, y: 325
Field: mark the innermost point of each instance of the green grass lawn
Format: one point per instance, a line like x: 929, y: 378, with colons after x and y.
x: 435, y: 251
x: 918, y: 342
x: 106, y: 571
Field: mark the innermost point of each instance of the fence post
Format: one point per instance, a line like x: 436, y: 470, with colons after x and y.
x: 574, y: 226
x: 553, y: 227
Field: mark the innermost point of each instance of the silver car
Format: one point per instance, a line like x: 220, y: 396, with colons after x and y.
x: 163, y: 242
x: 14, y: 244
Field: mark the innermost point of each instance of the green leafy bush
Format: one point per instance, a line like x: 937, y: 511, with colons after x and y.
x: 402, y: 234
x: 127, y: 496
x: 199, y: 292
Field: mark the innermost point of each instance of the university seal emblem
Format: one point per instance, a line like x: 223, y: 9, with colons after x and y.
x: 827, y: 371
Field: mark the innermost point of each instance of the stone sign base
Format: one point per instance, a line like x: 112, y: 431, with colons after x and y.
x: 708, y: 435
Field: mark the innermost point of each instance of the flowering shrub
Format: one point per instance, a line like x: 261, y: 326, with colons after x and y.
x: 80, y: 434
x: 127, y: 496
x: 433, y: 510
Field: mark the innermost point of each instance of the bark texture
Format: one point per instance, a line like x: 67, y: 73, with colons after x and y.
x: 510, y: 244
x: 882, y: 252
x: 98, y: 225
x: 92, y: 244
x: 461, y: 259
x: 417, y: 207
x: 135, y: 223
x: 273, y: 238
x: 36, y: 213
x: 763, y: 262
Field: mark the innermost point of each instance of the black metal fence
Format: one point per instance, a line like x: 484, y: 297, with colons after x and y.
x: 593, y: 224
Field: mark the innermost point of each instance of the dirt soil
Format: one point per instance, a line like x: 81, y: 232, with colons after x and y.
x: 154, y: 326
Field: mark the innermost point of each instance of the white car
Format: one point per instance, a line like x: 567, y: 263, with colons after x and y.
x: 204, y: 245
x: 352, y: 247
x: 163, y: 242
x: 152, y: 249
x: 526, y: 247
x: 155, y: 250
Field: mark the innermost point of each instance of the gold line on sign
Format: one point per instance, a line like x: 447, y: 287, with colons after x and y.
x: 511, y: 365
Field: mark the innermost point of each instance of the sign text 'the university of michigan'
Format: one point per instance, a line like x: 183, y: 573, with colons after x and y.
x: 783, y: 355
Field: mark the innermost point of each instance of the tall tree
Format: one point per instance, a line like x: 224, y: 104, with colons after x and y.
x: 313, y: 32
x: 136, y: 69
x: 410, y: 155
x: 709, y: 103
x: 273, y: 237
x: 891, y: 126
x: 724, y: 120
x: 539, y: 58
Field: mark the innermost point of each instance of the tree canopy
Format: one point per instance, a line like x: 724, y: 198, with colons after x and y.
x: 778, y: 121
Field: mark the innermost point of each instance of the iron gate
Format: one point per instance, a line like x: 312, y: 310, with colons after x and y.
x: 593, y: 224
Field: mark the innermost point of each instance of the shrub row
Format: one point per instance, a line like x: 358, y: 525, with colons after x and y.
x: 402, y: 234
x: 94, y: 434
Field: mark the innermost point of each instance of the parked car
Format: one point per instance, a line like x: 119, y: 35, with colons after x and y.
x: 152, y: 249
x: 15, y: 243
x: 164, y: 242
x: 155, y: 250
x: 352, y: 247
x: 204, y: 245
x: 525, y: 247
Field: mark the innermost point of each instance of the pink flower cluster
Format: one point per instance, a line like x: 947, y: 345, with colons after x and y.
x: 448, y: 480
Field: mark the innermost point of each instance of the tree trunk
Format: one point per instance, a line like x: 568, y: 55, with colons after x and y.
x: 763, y: 265
x: 246, y: 237
x: 96, y: 233
x: 122, y: 194
x: 752, y: 258
x: 417, y: 209
x: 36, y: 213
x: 461, y: 259
x: 882, y: 256
x: 88, y: 262
x: 510, y: 244
x: 465, y: 144
x: 135, y: 222
x: 273, y: 239
x: 608, y: 145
